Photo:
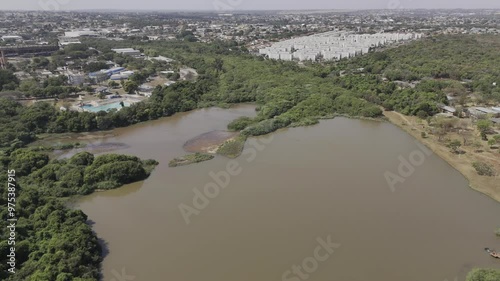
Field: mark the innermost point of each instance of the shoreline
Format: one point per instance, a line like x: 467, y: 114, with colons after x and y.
x: 489, y: 186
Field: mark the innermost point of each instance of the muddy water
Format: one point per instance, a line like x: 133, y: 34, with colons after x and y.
x: 305, y: 184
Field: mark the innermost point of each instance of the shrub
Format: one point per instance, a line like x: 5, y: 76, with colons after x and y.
x: 483, y: 169
x: 305, y: 122
x: 232, y: 148
x: 266, y: 127
x: 454, y: 145
x: 240, y: 123
x: 82, y: 158
x: 190, y: 159
x: 478, y: 274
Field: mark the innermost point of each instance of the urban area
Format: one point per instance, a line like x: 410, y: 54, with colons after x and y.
x: 76, y: 85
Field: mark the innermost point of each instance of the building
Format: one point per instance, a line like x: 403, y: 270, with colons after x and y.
x: 122, y: 75
x: 162, y: 58
x: 447, y: 109
x: 106, y: 74
x: 80, y: 33
x: 128, y: 52
x: 145, y: 88
x: 490, y: 111
x: 482, y: 111
x: 65, y: 41
x: 12, y: 38
x: 76, y: 78
x: 101, y: 90
x: 29, y: 50
x: 332, y: 45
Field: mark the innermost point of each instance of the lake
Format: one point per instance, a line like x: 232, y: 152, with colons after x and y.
x: 268, y: 212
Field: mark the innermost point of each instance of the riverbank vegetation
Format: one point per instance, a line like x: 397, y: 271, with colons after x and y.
x: 483, y: 275
x: 284, y: 91
x: 190, y: 159
x: 409, y: 82
x: 54, y: 242
x: 232, y: 148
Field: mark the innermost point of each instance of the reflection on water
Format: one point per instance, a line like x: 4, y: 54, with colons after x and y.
x: 318, y: 181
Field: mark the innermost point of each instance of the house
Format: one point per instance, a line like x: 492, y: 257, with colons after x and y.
x: 162, y: 58
x: 101, y: 90
x: 145, y: 88
x: 80, y: 33
x: 447, y: 109
x: 128, y: 52
x: 166, y: 72
x: 490, y: 111
x: 482, y: 111
x: 76, y: 78
x: 11, y: 38
x: 65, y: 41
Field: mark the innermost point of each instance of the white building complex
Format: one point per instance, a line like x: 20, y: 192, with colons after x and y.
x: 332, y: 45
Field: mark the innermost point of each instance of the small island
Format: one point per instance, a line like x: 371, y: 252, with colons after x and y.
x: 205, y: 146
x: 190, y: 159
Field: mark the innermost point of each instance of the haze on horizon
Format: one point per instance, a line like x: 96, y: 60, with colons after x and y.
x: 197, y: 5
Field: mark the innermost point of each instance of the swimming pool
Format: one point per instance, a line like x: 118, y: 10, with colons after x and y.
x: 105, y: 107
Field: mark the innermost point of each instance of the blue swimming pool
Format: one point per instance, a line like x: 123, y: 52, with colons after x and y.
x: 105, y: 107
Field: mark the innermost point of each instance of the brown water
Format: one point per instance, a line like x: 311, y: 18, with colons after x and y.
x: 306, y: 183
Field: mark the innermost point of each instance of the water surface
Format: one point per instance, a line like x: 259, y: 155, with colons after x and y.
x: 306, y: 183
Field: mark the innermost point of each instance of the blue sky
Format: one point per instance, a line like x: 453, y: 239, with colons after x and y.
x: 244, y: 4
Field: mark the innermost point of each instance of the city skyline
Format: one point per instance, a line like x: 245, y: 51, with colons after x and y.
x: 235, y: 5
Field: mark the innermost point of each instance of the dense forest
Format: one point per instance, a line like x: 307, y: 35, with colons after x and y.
x: 55, y: 243
x: 472, y: 60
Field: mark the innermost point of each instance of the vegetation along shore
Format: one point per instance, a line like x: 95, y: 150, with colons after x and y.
x: 436, y: 88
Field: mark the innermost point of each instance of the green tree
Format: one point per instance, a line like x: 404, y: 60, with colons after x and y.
x: 26, y: 161
x: 484, y: 126
x: 455, y: 145
x: 130, y: 87
x: 6, y: 78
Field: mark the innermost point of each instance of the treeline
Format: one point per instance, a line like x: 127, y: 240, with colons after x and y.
x: 54, y: 242
x: 282, y: 89
x: 472, y: 59
x: 286, y: 93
